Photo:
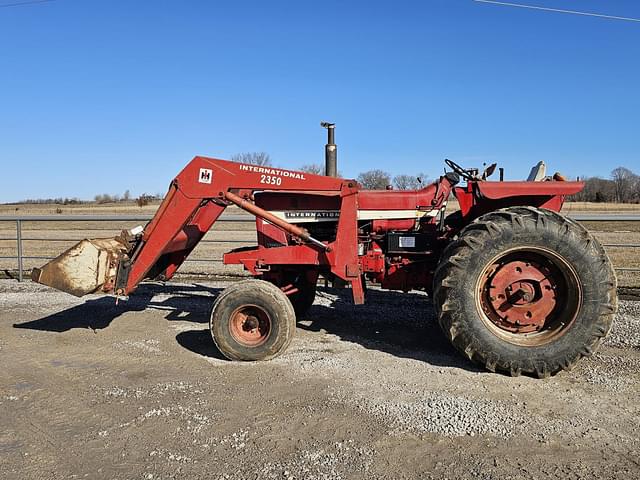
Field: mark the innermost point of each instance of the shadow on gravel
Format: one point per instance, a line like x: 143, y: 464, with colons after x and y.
x: 401, y: 324
x: 200, y: 342
x: 191, y: 303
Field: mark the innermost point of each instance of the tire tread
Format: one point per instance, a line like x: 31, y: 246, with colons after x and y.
x: 482, y: 231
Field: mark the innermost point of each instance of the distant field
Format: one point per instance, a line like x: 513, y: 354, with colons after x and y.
x: 601, y: 207
x: 130, y: 208
x: 48, y: 239
x: 583, y: 207
x: 119, y: 208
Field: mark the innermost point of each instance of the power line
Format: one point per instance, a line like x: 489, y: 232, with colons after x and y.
x: 19, y: 4
x: 559, y: 10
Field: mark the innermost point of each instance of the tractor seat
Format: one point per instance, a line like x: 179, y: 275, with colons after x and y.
x: 538, y: 173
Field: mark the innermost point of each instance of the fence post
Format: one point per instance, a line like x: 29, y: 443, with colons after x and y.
x: 19, y: 238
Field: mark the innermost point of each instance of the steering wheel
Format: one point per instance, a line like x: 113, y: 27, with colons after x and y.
x: 459, y: 170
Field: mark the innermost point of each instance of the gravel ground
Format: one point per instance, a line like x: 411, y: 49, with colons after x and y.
x: 91, y: 389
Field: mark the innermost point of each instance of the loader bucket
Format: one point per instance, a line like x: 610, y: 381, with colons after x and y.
x: 87, y: 267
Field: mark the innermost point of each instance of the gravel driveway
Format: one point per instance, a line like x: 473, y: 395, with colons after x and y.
x: 90, y: 389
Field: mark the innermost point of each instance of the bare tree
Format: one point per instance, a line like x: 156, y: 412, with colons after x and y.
x: 374, y: 179
x: 253, y: 158
x: 59, y: 200
x: 624, y: 181
x: 596, y: 189
x: 126, y: 196
x: 410, y: 182
x: 144, y: 200
x: 104, y: 198
x: 635, y: 189
x: 582, y: 195
x: 314, y: 168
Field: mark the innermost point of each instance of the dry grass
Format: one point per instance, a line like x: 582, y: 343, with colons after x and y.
x: 120, y: 208
x: 581, y: 207
x: 48, y: 239
x: 591, y: 207
x: 130, y: 208
x: 611, y: 233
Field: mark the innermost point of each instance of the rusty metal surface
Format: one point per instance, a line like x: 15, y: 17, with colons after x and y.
x: 521, y: 296
x: 84, y: 268
x: 529, y: 296
x: 250, y: 325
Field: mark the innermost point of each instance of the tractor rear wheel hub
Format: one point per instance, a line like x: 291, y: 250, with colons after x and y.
x: 521, y: 295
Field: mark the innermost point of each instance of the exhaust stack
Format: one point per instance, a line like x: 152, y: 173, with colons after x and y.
x: 330, y: 151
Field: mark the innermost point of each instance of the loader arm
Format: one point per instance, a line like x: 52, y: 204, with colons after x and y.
x: 200, y: 193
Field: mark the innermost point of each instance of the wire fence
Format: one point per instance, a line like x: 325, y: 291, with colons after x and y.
x: 20, y: 238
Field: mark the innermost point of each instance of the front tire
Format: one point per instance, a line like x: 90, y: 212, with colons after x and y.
x: 252, y: 320
x: 525, y: 290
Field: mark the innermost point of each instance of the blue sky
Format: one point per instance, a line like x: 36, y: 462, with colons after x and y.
x: 105, y: 95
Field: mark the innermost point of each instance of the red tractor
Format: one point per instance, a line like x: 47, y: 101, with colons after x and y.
x: 517, y: 287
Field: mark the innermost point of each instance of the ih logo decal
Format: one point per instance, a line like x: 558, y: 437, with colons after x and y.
x: 205, y: 175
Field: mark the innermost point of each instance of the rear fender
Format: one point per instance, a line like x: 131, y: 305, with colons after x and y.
x: 477, y: 198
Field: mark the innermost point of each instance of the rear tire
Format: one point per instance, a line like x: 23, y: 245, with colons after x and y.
x: 525, y: 290
x: 305, y: 281
x: 303, y: 299
x: 252, y: 320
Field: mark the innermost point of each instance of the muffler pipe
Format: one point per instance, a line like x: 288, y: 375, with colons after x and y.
x: 330, y: 151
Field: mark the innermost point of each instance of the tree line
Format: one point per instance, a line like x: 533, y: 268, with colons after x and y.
x: 100, y: 199
x: 623, y: 186
x: 375, y: 179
